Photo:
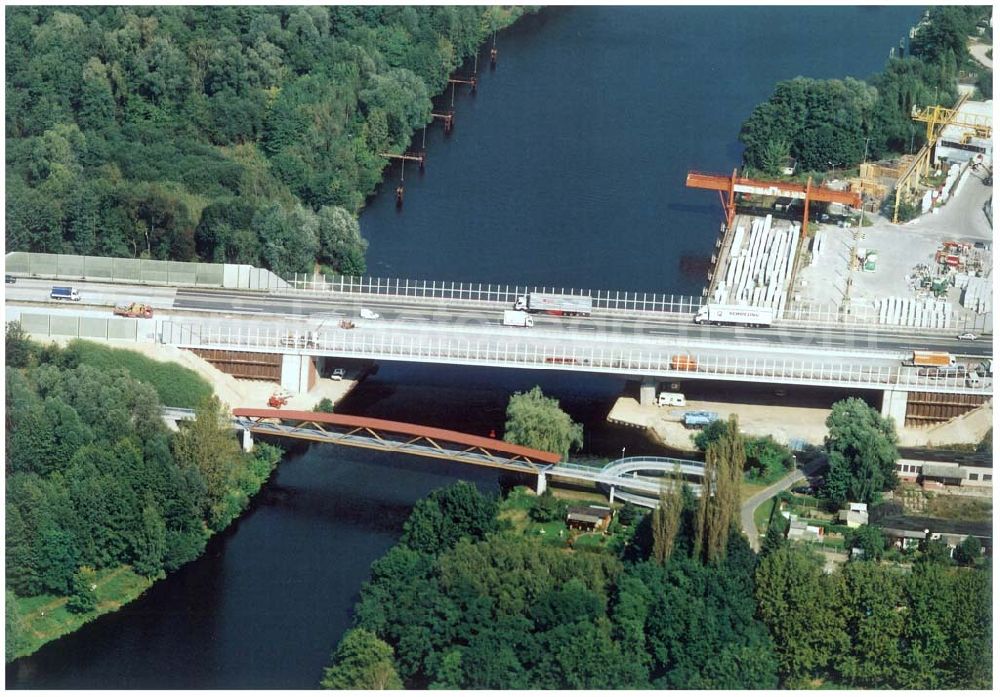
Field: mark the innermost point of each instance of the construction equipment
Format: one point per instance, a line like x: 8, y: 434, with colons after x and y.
x: 346, y: 324
x: 134, y: 310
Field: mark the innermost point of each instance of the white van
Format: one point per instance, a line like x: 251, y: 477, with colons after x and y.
x: 671, y: 399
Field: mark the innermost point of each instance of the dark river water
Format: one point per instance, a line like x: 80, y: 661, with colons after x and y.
x: 567, y: 168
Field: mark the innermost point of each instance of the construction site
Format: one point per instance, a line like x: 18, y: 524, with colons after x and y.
x: 906, y: 243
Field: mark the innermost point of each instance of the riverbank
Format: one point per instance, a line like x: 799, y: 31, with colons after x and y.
x: 34, y: 621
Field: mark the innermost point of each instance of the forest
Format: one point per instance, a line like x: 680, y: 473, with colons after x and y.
x: 835, y: 124
x: 463, y: 602
x: 95, y: 481
x: 235, y: 134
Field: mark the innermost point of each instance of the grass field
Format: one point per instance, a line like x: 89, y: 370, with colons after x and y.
x: 176, y: 385
x: 45, y: 617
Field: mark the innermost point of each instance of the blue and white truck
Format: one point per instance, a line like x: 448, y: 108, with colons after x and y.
x: 64, y: 293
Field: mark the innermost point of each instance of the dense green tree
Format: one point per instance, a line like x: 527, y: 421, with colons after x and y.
x: 861, y: 449
x: 874, y: 625
x: 207, y: 446
x: 362, y: 661
x: 547, y: 508
x: 536, y: 421
x: 718, y: 508
x: 324, y: 405
x: 17, y: 345
x: 666, y: 520
x: 125, y: 124
x: 447, y: 515
x: 969, y: 551
x: 82, y: 598
x: 801, y: 607
x: 870, y: 540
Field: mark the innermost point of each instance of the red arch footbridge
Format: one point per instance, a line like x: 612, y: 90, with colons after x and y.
x: 630, y: 476
x: 395, y: 436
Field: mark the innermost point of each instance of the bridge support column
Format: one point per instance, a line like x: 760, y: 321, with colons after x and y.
x: 295, y: 372
x: 894, y: 406
x: 611, y: 495
x: 541, y: 484
x: 247, y: 440
x: 647, y: 392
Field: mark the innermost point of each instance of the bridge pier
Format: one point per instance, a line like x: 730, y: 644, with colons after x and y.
x: 247, y: 440
x: 894, y: 406
x: 647, y: 392
x: 298, y: 373
x: 611, y: 494
x: 540, y: 486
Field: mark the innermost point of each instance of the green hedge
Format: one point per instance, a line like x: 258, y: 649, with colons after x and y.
x: 176, y: 385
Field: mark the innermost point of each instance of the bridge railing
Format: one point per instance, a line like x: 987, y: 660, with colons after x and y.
x: 649, y: 360
x: 493, y: 293
x: 942, y: 318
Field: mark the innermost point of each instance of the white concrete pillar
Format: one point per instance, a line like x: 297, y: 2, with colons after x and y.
x: 647, y: 392
x: 540, y: 485
x: 894, y: 406
x: 295, y: 372
x: 611, y: 496
x: 247, y: 440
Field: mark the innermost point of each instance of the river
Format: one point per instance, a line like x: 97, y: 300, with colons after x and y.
x: 567, y: 168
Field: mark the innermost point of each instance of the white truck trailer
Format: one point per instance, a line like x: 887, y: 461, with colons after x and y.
x: 550, y: 304
x: 517, y: 318
x: 737, y: 315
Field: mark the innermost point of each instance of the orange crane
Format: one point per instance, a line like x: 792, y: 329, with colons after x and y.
x: 733, y: 185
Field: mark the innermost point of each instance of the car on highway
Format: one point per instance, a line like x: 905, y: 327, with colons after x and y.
x: 968, y: 336
x: 368, y: 314
x: 7, y: 278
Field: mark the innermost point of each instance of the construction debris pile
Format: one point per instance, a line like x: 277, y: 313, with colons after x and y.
x: 956, y: 264
x: 759, y: 267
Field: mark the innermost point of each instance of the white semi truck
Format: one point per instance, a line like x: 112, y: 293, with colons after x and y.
x: 739, y: 315
x: 517, y: 318
x: 550, y: 304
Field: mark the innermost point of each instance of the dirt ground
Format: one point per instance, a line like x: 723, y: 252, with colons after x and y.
x: 784, y: 424
x: 900, y: 247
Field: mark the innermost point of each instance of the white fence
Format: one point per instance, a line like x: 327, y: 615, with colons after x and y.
x: 500, y: 351
x: 142, y: 271
x: 500, y: 293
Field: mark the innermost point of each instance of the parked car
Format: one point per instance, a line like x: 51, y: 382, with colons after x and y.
x: 7, y: 278
x: 337, y: 374
x: 368, y: 314
x: 968, y: 336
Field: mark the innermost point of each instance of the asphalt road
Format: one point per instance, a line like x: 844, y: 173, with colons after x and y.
x: 421, y: 313
x: 751, y: 504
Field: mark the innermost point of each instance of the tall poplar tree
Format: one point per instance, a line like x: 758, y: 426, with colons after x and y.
x: 720, y: 495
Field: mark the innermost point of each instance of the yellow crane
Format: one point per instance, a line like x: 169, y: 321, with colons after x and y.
x: 935, y: 116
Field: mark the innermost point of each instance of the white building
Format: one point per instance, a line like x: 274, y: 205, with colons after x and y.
x: 959, y: 144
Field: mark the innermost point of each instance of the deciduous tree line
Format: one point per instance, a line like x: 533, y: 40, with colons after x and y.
x: 221, y: 134
x: 826, y: 124
x: 95, y: 480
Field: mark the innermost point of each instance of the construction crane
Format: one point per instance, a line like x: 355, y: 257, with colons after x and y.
x: 741, y: 185
x: 935, y: 116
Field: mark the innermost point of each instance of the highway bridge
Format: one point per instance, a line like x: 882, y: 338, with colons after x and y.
x: 629, y: 334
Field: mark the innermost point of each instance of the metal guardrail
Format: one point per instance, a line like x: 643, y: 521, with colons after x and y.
x: 648, y: 360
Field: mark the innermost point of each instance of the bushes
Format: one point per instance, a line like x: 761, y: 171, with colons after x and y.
x: 175, y: 385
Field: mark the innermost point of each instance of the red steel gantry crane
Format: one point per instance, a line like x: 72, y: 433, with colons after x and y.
x: 741, y: 185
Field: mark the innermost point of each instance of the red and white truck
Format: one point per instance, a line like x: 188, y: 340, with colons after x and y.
x: 550, y: 304
x: 739, y: 315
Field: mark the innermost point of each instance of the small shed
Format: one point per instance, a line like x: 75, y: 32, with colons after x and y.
x: 855, y: 515
x: 588, y: 518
